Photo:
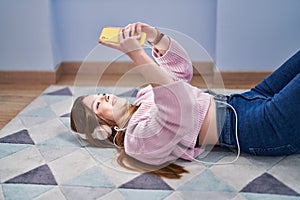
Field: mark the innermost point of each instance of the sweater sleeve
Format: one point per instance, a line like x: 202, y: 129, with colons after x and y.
x: 175, y: 61
x: 153, y: 135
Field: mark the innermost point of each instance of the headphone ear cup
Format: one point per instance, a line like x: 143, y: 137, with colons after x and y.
x: 102, y: 132
x: 107, y: 129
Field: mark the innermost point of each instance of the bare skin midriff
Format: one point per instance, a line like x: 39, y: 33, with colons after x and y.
x: 208, y: 133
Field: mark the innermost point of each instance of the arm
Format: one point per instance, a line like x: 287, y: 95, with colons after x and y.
x: 149, y: 69
x: 176, y: 62
x: 168, y: 53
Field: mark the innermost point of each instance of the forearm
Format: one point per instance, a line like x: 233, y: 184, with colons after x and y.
x: 176, y: 61
x: 149, y: 69
x: 161, y: 43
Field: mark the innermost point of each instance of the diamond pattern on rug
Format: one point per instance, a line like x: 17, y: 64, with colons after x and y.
x: 93, y: 177
x: 52, y: 99
x: 24, y: 191
x: 257, y: 196
x: 41, y: 175
x: 21, y: 137
x: 20, y: 162
x: 102, y: 155
x: 207, y: 182
x: 266, y: 183
x: 132, y: 194
x: 45, y: 112
x: 214, y: 155
x: 147, y: 181
x: 66, y: 115
x: 65, y: 139
x: 206, y: 195
x: 86, y: 193
x: 47, y: 130
x: 51, y: 153
x: 71, y: 165
x: 9, y: 149
x: 52, y: 194
x: 61, y: 92
x: 30, y: 121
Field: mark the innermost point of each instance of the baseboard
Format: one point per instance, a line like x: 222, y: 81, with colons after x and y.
x: 30, y: 77
x: 204, y: 69
x: 244, y: 77
x: 72, y: 68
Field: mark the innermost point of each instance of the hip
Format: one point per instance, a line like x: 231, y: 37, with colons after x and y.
x: 258, y: 133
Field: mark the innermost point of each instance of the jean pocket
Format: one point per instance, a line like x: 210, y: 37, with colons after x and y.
x: 273, y: 151
x: 250, y: 95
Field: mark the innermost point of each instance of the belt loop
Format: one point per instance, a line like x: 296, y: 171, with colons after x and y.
x: 221, y: 97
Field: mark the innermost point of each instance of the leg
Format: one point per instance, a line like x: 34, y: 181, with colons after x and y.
x: 269, y: 126
x: 284, y: 109
x: 280, y: 77
x: 278, y: 133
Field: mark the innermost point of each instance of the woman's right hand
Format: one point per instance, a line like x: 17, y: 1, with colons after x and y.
x: 128, y: 41
x: 129, y: 35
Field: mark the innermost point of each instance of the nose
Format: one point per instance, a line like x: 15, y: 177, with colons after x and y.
x: 105, y: 97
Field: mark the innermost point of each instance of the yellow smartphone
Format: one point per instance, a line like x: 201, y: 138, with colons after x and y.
x: 111, y: 34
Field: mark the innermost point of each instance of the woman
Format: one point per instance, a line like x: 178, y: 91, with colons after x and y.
x: 171, y: 119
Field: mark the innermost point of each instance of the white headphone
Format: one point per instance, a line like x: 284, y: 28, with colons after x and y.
x: 102, y: 132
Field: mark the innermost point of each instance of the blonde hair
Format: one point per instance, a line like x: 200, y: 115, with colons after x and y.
x: 84, y: 121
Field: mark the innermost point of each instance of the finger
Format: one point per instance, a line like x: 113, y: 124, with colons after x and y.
x: 126, y: 33
x: 129, y: 31
x: 139, y: 30
x: 143, y: 24
x: 128, y: 28
x: 121, y: 35
x: 132, y: 33
x: 110, y: 44
x: 129, y: 25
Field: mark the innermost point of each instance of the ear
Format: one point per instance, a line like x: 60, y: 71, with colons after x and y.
x: 102, y: 132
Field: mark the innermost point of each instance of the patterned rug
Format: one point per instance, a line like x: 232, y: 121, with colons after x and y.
x: 40, y: 158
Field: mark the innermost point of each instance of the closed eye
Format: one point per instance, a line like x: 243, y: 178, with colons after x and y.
x: 97, y: 105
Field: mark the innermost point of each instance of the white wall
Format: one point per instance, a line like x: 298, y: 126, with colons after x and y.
x: 25, y: 37
x: 238, y: 34
x: 256, y: 34
x: 39, y: 34
x: 79, y: 22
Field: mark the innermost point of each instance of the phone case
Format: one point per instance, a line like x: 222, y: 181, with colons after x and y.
x: 111, y: 34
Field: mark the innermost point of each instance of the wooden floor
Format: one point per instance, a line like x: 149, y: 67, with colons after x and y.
x: 15, y: 97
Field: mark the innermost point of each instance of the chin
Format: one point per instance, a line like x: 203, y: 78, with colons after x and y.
x: 121, y: 107
x: 122, y: 103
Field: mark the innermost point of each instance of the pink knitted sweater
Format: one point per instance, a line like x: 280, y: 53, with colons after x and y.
x: 166, y: 125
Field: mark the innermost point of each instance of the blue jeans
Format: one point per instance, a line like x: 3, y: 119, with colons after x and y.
x: 268, y: 114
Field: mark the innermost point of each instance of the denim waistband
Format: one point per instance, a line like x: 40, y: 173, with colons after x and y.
x: 225, y: 127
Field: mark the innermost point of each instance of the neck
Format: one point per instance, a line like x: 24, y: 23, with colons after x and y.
x: 126, y: 117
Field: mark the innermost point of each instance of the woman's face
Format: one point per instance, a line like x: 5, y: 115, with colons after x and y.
x: 107, y: 106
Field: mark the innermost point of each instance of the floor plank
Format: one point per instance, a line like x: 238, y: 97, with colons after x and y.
x: 15, y: 97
